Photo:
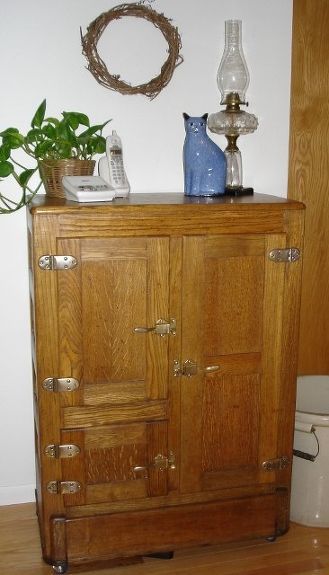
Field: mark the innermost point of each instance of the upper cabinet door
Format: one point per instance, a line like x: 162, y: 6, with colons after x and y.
x: 119, y: 287
x: 231, y: 323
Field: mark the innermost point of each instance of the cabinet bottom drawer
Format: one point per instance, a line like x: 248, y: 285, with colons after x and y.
x: 143, y: 532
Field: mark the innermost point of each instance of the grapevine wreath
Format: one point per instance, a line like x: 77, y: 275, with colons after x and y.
x: 98, y: 67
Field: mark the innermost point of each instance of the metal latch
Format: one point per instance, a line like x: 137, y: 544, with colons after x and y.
x: 62, y: 451
x: 284, y: 255
x: 59, y: 384
x: 276, y: 464
x: 190, y: 368
x: 63, y: 487
x: 162, y: 327
x: 55, y: 262
x: 160, y: 463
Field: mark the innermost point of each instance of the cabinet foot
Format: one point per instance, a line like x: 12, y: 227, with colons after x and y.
x: 162, y: 555
x: 61, y: 567
x: 271, y: 539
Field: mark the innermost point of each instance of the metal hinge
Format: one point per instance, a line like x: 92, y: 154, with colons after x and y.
x: 284, y: 255
x: 62, y: 451
x: 276, y: 464
x: 59, y: 384
x: 160, y: 463
x: 63, y: 487
x: 55, y: 262
x: 162, y: 327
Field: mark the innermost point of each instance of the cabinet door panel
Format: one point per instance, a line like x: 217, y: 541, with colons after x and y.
x: 231, y: 317
x: 233, y: 289
x: 230, y: 417
x: 118, y: 285
x: 107, y: 462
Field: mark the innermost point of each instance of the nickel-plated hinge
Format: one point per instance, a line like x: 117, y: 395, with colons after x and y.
x: 63, y: 487
x: 56, y: 262
x: 62, y: 451
x: 289, y: 255
x: 276, y: 464
x: 59, y: 384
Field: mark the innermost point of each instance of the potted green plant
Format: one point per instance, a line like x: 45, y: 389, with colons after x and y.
x: 58, y: 147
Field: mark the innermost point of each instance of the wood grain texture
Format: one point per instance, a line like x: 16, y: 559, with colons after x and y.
x: 234, y: 290
x: 302, y: 551
x: 134, y: 534
x: 290, y: 340
x: 231, y: 403
x: 308, y: 174
x: 205, y: 264
x: 80, y: 417
x: 144, y: 214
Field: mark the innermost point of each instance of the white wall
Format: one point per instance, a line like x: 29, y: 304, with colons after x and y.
x: 41, y: 58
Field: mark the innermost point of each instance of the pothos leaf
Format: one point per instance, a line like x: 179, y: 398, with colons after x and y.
x: 6, y: 168
x: 25, y: 176
x: 39, y: 115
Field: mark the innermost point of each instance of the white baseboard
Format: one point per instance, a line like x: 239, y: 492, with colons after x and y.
x: 17, y: 494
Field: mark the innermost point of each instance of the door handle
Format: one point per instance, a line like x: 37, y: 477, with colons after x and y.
x: 211, y: 368
x: 162, y: 327
x: 190, y: 368
x: 160, y: 463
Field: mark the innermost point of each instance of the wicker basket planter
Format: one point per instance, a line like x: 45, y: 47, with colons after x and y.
x: 52, y: 171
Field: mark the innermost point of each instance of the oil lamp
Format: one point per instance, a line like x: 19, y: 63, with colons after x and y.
x: 233, y: 81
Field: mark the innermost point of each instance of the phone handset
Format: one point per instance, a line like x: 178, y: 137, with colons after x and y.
x: 111, y: 168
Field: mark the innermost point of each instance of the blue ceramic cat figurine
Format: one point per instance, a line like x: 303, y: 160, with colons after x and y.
x: 204, y: 162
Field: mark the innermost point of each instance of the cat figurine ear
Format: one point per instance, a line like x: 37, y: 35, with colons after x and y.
x: 186, y: 116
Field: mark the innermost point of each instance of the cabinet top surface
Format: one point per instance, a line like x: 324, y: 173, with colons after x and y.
x: 137, y: 200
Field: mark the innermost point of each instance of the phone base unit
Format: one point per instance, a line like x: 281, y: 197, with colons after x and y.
x: 87, y: 189
x: 163, y: 381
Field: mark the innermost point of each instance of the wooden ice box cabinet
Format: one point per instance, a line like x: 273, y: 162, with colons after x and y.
x: 164, y: 334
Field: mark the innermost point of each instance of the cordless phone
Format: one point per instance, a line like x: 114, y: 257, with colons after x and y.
x: 111, y: 168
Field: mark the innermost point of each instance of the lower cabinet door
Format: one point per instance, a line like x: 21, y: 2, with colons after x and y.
x: 116, y: 462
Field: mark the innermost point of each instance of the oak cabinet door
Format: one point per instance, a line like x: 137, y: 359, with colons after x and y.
x: 115, y: 462
x: 118, y: 415
x: 231, y: 309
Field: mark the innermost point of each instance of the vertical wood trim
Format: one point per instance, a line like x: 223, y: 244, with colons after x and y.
x: 157, y: 347
x: 308, y: 174
x: 271, y: 353
x: 45, y: 233
x: 175, y: 347
x: 70, y: 328
x: 157, y: 443
x: 191, y: 387
x: 289, y: 351
x: 58, y: 540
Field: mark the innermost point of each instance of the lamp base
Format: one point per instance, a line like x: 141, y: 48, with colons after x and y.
x: 238, y: 191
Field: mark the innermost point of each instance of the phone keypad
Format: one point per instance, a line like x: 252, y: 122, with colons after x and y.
x: 117, y: 170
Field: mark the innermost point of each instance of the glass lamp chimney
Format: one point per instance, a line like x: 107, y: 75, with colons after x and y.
x: 233, y: 74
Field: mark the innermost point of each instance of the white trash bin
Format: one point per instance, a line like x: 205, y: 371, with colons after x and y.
x: 310, y: 469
